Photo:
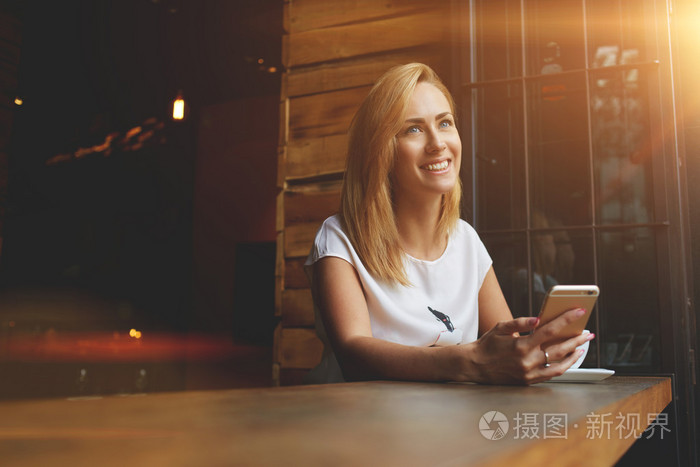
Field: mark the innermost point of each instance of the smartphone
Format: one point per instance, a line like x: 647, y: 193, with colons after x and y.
x: 561, y: 298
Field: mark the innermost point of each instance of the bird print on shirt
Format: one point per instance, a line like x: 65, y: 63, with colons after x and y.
x: 443, y: 318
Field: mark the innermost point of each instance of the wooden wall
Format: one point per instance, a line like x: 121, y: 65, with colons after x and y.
x: 332, y: 53
x: 10, y: 41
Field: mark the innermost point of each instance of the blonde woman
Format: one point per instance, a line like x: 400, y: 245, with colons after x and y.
x: 403, y: 288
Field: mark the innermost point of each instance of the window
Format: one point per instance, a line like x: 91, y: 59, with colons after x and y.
x: 562, y: 112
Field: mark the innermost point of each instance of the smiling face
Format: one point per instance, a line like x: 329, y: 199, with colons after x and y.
x: 428, y: 147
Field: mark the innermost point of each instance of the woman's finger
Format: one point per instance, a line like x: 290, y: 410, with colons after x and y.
x: 545, y: 373
x: 516, y: 325
x: 552, y: 330
x: 559, y: 351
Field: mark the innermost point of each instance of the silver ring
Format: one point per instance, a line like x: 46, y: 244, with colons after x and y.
x: 546, y: 358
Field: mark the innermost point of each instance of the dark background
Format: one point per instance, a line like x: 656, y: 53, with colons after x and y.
x: 120, y: 225
x: 125, y: 60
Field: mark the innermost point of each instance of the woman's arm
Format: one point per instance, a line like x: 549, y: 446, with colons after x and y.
x: 492, y: 304
x: 341, y: 302
x: 499, y: 356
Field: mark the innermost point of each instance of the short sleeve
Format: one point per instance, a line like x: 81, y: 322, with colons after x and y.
x: 330, y: 240
x: 483, y: 259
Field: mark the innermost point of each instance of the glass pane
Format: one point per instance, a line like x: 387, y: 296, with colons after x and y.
x: 498, y: 39
x: 629, y: 302
x: 559, y: 152
x: 559, y: 257
x: 555, y: 36
x: 500, y: 162
x: 616, y: 33
x: 509, y: 254
x: 622, y: 146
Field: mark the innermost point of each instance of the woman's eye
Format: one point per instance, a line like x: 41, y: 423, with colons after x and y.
x: 445, y: 123
x: 413, y: 129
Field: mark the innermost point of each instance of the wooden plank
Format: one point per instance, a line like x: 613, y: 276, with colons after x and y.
x: 276, y: 375
x: 276, y: 341
x: 310, y: 206
x: 284, y: 56
x: 283, y: 140
x: 279, y: 218
x: 281, y: 167
x: 283, y: 137
x: 356, y: 72
x: 299, y: 348
x: 298, y: 239
x: 279, y: 273
x: 294, y: 274
x: 312, y: 157
x: 304, y: 15
x: 284, y: 86
x: 317, y: 187
x: 323, y: 114
x: 279, y: 255
x: 279, y: 289
x: 297, y: 308
x: 286, y: 15
x: 342, y: 42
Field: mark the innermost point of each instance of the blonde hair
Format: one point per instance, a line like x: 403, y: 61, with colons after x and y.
x: 366, y: 205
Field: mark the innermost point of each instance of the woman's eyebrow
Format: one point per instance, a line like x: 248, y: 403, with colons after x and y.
x: 421, y: 120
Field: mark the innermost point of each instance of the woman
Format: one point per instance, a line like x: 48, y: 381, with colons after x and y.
x: 398, y: 279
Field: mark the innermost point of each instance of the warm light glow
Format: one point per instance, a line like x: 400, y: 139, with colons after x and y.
x: 272, y: 69
x: 179, y: 108
x: 135, y: 334
x: 18, y: 101
x: 133, y: 132
x: 261, y: 61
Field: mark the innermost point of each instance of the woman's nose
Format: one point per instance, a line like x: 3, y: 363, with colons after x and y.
x: 435, y: 142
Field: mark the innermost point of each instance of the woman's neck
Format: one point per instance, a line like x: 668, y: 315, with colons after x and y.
x: 417, y: 227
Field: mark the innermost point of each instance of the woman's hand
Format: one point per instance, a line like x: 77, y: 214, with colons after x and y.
x: 502, y: 356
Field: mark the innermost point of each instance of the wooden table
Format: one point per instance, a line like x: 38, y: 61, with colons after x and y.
x: 373, y: 423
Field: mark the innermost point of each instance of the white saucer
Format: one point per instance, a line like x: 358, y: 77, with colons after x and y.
x: 583, y: 375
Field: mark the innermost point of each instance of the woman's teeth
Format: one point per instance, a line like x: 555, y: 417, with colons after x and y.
x: 438, y: 166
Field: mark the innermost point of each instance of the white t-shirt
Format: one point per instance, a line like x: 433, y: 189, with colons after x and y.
x: 439, y: 308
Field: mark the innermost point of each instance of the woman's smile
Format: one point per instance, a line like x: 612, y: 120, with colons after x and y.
x: 437, y: 167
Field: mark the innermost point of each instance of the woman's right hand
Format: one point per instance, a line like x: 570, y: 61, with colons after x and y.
x: 503, y: 356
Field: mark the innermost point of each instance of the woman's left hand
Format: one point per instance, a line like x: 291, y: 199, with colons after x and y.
x: 503, y: 356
